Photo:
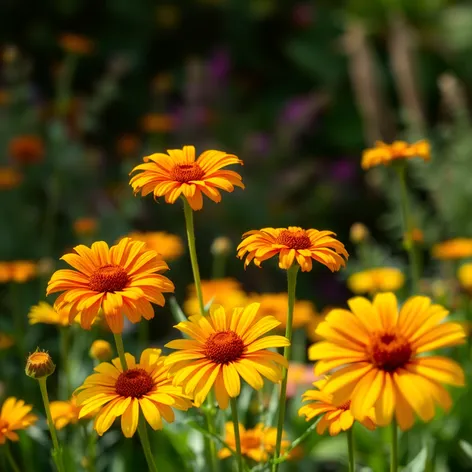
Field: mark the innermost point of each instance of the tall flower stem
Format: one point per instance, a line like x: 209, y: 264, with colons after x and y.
x: 57, y: 450
x: 350, y: 449
x: 237, y: 438
x: 394, y: 447
x: 408, y: 228
x: 292, y: 284
x: 142, y: 430
x: 10, y: 459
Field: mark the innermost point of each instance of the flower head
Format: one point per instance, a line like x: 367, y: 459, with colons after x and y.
x: 458, y: 248
x: 101, y: 350
x: 381, y: 279
x: 45, y: 313
x: 121, y: 280
x: 66, y: 412
x: 384, y: 153
x: 168, y: 246
x: 18, y: 271
x: 336, y: 417
x: 221, y: 246
x: 27, y: 149
x: 178, y: 173
x: 224, y: 347
x: 39, y: 365
x: 145, y: 386
x: 358, y: 233
x: 464, y: 274
x: 257, y: 443
x: 379, y: 353
x: 14, y: 415
x: 293, y: 244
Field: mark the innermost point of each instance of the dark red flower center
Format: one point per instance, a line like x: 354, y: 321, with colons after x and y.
x: 134, y: 383
x: 345, y: 405
x: 186, y: 172
x: 297, y: 239
x: 109, y: 278
x: 224, y: 347
x: 390, y: 351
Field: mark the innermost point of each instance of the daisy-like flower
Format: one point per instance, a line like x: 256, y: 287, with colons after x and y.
x: 257, y: 443
x: 293, y: 244
x: 379, y: 353
x: 452, y: 249
x: 45, y: 313
x: 14, y: 415
x: 145, y: 386
x: 384, y: 153
x: 381, y: 279
x: 224, y: 347
x: 121, y: 280
x: 168, y: 246
x: 336, y: 417
x: 178, y: 173
x: 66, y: 412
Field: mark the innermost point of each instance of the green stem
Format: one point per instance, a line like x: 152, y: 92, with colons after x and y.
x: 292, y: 284
x: 57, y: 452
x: 219, y: 263
x: 188, y: 212
x: 64, y: 339
x: 17, y: 318
x: 350, y: 449
x: 237, y: 439
x: 408, y: 231
x: 394, y: 447
x: 142, y: 431
x: 10, y: 459
x: 92, y: 451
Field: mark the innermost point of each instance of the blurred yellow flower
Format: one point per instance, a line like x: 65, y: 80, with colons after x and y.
x: 45, y: 313
x: 168, y: 246
x: 76, y: 44
x: 26, y: 149
x: 464, y: 274
x: 9, y: 178
x: 14, y: 415
x: 86, y: 226
x: 101, y: 350
x: 17, y: 271
x: 221, y: 246
x: 384, y: 153
x: 315, y: 320
x: 157, y: 123
x: 358, y: 233
x: 64, y: 412
x: 6, y: 341
x: 381, y: 279
x: 225, y: 292
x: 458, y: 248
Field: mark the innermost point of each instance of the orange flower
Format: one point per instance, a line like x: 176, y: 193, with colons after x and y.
x: 26, y: 149
x: 122, y: 280
x: 85, y: 226
x: 458, y: 248
x: 14, y: 415
x: 158, y: 123
x: 179, y: 173
x: 9, y: 178
x: 384, y: 153
x: 168, y: 246
x: 17, y: 271
x: 76, y: 44
x: 293, y: 244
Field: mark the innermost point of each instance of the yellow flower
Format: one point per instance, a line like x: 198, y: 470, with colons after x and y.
x: 225, y: 292
x: 85, y: 226
x: 384, y: 153
x: 66, y: 412
x: 464, y: 274
x: 275, y: 304
x: 257, y: 443
x: 14, y: 415
x: 458, y: 248
x: 381, y: 279
x: 358, y: 233
x: 221, y: 246
x: 379, y: 354
x: 178, y: 173
x: 336, y: 417
x: 101, y: 350
x: 9, y: 178
x: 145, y: 386
x: 168, y: 246
x: 6, y: 341
x: 224, y: 347
x: 315, y: 320
x: 45, y: 313
x: 121, y: 280
x: 17, y: 271
x: 293, y: 244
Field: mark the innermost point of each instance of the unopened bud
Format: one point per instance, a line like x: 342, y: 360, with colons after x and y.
x: 39, y: 365
x: 101, y: 350
x: 358, y: 233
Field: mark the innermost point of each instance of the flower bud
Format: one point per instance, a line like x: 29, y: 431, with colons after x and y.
x: 358, y: 233
x: 101, y: 350
x: 39, y: 365
x: 221, y: 246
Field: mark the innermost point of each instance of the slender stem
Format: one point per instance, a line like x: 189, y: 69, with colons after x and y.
x: 142, y: 431
x: 92, y: 451
x: 64, y: 339
x: 10, y: 459
x: 219, y: 263
x: 237, y: 438
x: 394, y: 447
x: 350, y: 449
x: 292, y: 284
x: 408, y: 228
x: 193, y: 253
x: 57, y: 452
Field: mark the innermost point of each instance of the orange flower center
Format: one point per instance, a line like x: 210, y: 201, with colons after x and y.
x: 186, y: 172
x: 109, y: 278
x: 390, y: 351
x: 134, y: 383
x: 294, y: 239
x: 345, y: 405
x: 224, y: 347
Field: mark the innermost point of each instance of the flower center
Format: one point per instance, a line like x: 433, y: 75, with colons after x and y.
x: 390, y: 351
x: 109, y: 278
x: 297, y: 239
x: 224, y: 347
x: 345, y: 405
x: 186, y: 172
x: 134, y: 383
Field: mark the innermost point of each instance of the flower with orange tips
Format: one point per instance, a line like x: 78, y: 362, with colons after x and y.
x: 380, y: 355
x: 223, y: 348
x: 293, y: 244
x: 144, y: 388
x: 168, y: 246
x: 453, y: 249
x: 178, y: 173
x: 76, y: 44
x: 380, y: 279
x: 14, y: 415
x: 27, y: 149
x: 121, y: 280
x: 384, y: 153
x: 336, y: 417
